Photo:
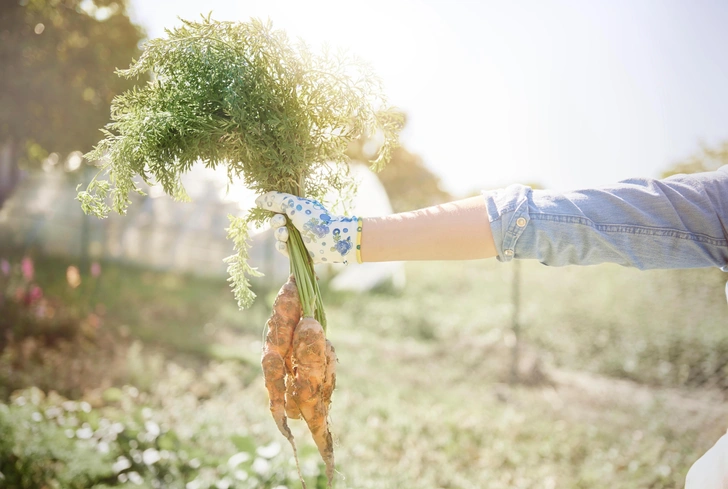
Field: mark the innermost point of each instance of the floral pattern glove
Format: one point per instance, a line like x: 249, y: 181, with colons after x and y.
x: 328, y: 239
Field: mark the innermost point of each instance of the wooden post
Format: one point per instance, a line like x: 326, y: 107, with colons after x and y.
x: 515, y: 324
x: 9, y: 171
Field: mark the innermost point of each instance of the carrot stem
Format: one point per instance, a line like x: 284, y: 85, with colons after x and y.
x: 302, y: 268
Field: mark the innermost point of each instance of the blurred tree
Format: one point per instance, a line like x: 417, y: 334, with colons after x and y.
x: 57, y: 79
x: 409, y: 183
x: 706, y: 159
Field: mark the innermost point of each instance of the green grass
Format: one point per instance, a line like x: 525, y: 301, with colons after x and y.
x: 177, y: 311
x: 422, y: 399
x: 630, y: 392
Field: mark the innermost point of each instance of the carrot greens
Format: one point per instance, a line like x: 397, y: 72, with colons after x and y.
x: 243, y: 95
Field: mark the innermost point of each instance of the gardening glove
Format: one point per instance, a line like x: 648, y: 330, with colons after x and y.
x: 328, y: 239
x: 711, y: 470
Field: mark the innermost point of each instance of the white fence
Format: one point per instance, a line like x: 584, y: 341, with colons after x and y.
x: 160, y: 233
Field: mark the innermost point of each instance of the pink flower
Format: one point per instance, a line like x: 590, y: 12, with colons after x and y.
x: 28, y: 297
x: 5, y: 266
x: 26, y: 265
x: 95, y: 269
x: 35, y: 293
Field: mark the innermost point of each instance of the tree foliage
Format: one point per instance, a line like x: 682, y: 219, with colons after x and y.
x: 407, y: 180
x: 707, y: 159
x: 410, y: 184
x: 57, y: 79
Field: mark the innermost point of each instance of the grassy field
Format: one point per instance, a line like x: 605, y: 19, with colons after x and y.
x: 622, y: 382
x: 424, y: 399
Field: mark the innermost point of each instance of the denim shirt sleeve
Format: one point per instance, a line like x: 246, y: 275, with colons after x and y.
x: 677, y: 222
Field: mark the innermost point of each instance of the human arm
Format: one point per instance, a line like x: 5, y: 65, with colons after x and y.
x: 453, y: 231
x: 678, y: 222
x: 457, y: 230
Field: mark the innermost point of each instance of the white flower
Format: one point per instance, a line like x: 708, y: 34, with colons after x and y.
x: 151, y: 456
x: 261, y: 466
x: 237, y: 459
x: 269, y: 451
x: 122, y: 463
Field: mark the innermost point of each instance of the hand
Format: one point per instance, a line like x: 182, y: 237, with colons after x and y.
x: 711, y: 470
x: 328, y: 239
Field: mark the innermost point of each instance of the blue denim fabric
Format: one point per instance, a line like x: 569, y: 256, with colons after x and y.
x: 677, y: 222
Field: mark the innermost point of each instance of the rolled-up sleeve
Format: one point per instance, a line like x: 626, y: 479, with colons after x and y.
x: 677, y: 222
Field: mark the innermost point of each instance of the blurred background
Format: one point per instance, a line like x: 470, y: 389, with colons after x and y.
x: 125, y: 362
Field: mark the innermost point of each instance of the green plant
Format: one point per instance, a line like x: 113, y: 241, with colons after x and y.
x: 50, y: 441
x: 242, y: 95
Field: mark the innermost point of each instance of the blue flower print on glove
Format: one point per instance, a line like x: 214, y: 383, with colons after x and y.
x: 313, y: 226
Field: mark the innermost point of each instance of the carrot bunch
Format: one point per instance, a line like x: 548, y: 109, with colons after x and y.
x: 243, y: 97
x: 299, y: 367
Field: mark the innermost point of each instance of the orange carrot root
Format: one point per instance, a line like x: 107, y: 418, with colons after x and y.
x: 292, y: 410
x: 276, y: 350
x: 274, y: 370
x: 299, y: 366
x: 286, y: 314
x: 330, y: 377
x: 309, y: 362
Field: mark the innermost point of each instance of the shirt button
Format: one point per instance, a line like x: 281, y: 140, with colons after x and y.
x: 508, y: 252
x: 521, y: 222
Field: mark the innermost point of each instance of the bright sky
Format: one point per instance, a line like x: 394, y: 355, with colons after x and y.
x: 562, y: 93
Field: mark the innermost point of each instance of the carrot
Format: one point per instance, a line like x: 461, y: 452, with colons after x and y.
x: 286, y: 314
x: 277, y: 353
x: 299, y: 366
x: 309, y: 364
x: 292, y: 410
x: 330, y: 376
x: 274, y: 371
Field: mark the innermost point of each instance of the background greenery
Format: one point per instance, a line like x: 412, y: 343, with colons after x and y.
x: 58, y: 79
x: 620, y: 381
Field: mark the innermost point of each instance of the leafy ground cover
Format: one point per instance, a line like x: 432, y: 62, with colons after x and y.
x: 622, y: 383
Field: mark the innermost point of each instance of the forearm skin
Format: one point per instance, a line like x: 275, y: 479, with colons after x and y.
x: 454, y: 231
